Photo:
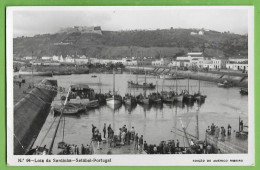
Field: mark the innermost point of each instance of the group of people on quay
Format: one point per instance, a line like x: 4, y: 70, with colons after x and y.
x: 222, y: 132
x: 124, y: 136
x: 68, y: 149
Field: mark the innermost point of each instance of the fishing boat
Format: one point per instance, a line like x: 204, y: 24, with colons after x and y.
x: 187, y: 97
x: 92, y: 104
x: 69, y: 109
x: 198, y: 96
x: 244, y: 91
x: 177, y: 97
x: 225, y: 84
x: 142, y: 98
x: 82, y: 95
x: 168, y: 97
x: 114, y: 99
x: 156, y: 97
x: 128, y: 99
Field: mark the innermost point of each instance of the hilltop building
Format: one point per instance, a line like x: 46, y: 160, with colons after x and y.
x: 82, y: 29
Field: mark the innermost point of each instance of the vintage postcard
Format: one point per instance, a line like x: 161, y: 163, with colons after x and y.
x: 144, y: 86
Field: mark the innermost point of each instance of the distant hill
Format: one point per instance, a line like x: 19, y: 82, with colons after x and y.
x: 116, y: 44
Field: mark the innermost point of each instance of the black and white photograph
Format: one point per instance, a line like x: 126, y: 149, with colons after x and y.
x: 114, y: 85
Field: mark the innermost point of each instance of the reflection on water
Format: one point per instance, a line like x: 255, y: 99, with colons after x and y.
x: 223, y: 106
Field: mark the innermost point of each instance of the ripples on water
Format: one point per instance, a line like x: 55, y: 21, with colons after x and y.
x: 223, y: 106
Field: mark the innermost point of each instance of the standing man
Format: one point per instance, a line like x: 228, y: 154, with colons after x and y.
x: 229, y: 130
x: 177, y: 144
x: 93, y: 130
x: 132, y: 133
x: 241, y: 126
x: 109, y: 130
x: 104, y: 130
x: 141, y: 142
x: 136, y: 141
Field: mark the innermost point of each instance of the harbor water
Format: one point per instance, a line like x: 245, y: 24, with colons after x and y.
x: 156, y: 123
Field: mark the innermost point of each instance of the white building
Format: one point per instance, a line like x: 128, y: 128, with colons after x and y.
x: 81, y: 60
x: 193, y: 33
x: 238, y: 60
x: 201, y: 32
x: 28, y: 58
x: 197, y: 62
x: 56, y: 58
x: 69, y: 59
x: 174, y: 63
x: 158, y: 62
x: 47, y: 58
x: 208, y: 64
x: 238, y: 66
x: 129, y: 62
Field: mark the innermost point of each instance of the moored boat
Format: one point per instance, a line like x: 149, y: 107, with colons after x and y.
x: 92, y: 104
x: 114, y: 99
x: 69, y: 109
x: 81, y: 94
x: 244, y: 91
x: 225, y: 84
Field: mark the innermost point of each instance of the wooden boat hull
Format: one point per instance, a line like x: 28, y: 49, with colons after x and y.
x: 144, y: 101
x: 168, y: 100
x: 130, y: 101
x: 178, y: 98
x: 68, y: 110
x: 93, y: 104
x: 224, y: 85
x: 200, y: 98
x: 114, y: 100
x: 188, y: 97
x: 244, y: 91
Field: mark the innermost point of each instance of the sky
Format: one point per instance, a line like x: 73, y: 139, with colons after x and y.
x: 29, y: 22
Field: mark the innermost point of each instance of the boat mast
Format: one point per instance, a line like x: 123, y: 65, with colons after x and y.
x: 137, y: 68
x: 157, y: 84
x: 197, y: 122
x: 184, y: 131
x: 99, y: 84
x: 130, y: 82
x: 114, y: 82
x: 188, y: 85
x: 145, y: 84
x: 57, y: 127
x: 32, y: 70
x: 163, y: 82
x: 199, y: 86
x: 176, y: 78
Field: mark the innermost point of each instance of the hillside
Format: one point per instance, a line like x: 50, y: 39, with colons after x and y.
x: 116, y: 44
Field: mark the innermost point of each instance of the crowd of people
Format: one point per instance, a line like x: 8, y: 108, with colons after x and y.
x: 76, y: 150
x: 219, y: 131
x: 124, y: 136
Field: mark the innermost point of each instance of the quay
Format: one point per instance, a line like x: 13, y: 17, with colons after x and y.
x: 238, y: 79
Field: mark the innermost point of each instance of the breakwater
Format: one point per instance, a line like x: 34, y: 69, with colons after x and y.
x: 30, y: 114
x: 239, y: 80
